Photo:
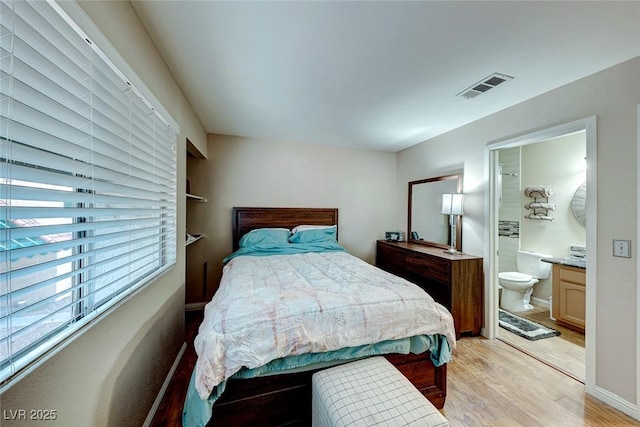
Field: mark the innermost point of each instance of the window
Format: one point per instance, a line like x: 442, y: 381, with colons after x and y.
x: 87, y: 183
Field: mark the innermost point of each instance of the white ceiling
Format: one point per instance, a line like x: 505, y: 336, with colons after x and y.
x: 377, y: 75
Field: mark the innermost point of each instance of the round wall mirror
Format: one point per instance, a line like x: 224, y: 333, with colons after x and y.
x: 579, y: 204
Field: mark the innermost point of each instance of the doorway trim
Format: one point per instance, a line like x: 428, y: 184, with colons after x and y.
x: 491, y: 224
x: 637, y: 408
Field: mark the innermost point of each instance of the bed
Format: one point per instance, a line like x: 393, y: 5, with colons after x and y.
x: 255, y: 368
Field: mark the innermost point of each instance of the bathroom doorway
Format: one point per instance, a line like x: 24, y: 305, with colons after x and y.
x: 556, y: 158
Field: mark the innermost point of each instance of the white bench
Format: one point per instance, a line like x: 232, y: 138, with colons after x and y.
x: 369, y: 392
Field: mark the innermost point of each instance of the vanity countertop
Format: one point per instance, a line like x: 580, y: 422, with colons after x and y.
x: 570, y: 261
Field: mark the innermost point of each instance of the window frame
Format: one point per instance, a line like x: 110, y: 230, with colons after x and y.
x: 39, y: 351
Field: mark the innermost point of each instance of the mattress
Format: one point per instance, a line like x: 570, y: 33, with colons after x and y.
x: 273, y: 307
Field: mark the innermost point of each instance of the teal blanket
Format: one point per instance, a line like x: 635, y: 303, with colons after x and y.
x: 288, y: 249
x: 197, y: 412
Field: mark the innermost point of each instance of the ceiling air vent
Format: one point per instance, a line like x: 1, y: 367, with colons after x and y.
x: 484, y: 85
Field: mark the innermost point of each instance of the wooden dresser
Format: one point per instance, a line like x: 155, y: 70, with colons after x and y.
x: 455, y: 281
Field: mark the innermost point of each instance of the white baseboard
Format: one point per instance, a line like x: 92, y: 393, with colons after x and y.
x: 616, y: 401
x: 195, y: 306
x: 165, y: 385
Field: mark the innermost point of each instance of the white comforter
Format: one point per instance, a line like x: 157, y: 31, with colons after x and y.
x: 268, y: 307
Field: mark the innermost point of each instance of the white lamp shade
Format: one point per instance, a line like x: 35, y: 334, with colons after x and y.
x: 452, y: 204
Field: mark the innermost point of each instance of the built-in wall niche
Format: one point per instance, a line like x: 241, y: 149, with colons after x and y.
x: 196, y: 294
x: 192, y: 237
x: 192, y: 195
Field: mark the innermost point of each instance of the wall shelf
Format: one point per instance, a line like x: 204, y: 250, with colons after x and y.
x: 193, y: 238
x: 540, y: 205
x: 195, y: 197
x: 197, y: 292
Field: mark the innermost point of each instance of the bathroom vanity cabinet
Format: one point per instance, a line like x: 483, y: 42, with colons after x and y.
x: 454, y: 280
x: 568, y: 303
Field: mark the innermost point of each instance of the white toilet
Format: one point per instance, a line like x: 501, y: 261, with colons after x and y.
x: 517, y: 286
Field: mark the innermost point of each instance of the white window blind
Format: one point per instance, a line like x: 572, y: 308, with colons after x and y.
x: 87, y: 183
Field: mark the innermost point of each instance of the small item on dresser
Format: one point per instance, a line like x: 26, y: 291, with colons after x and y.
x: 394, y: 236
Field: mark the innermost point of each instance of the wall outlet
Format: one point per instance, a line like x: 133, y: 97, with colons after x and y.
x: 622, y: 248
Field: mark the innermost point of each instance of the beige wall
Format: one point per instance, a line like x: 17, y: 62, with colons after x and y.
x: 612, y: 96
x: 111, y: 373
x: 559, y: 162
x: 249, y: 172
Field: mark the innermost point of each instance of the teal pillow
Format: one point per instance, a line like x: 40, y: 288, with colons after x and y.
x: 265, y: 236
x: 315, y: 235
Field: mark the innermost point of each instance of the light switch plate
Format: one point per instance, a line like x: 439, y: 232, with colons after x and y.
x: 622, y: 248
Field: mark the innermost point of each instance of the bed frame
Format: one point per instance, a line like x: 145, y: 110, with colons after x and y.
x: 247, y: 219
x: 286, y: 399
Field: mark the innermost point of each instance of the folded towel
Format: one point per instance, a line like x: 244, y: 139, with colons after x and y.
x: 538, y: 191
x: 540, y: 205
x: 539, y: 216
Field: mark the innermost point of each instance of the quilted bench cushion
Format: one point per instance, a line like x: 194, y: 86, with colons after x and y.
x: 369, y: 392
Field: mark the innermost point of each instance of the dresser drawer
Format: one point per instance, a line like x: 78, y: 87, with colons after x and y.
x: 390, y: 260
x: 428, y: 267
x: 439, y: 291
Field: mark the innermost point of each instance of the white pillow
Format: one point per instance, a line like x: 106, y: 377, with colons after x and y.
x: 310, y: 227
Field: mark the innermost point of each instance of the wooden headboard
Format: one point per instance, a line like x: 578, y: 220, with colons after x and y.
x: 247, y: 219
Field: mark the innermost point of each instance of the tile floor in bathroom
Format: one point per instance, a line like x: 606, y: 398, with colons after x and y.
x: 564, y: 352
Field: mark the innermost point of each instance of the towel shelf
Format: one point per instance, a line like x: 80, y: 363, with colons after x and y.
x: 540, y: 217
x: 540, y: 205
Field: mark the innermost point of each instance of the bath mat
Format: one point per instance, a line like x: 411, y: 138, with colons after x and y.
x: 523, y: 327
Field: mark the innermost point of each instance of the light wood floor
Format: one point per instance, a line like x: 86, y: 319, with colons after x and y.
x: 489, y: 383
x: 564, y: 352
